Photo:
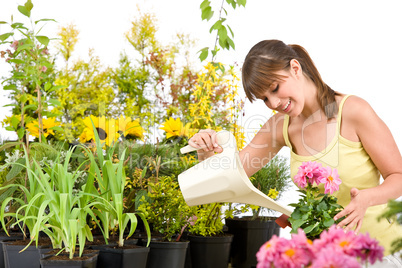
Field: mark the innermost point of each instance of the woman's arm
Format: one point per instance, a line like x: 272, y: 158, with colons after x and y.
x: 361, y: 120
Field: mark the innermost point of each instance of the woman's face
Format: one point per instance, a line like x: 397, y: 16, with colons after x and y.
x: 286, y: 96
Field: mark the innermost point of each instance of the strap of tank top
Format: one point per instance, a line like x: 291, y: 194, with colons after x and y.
x: 339, y: 117
x: 285, y: 131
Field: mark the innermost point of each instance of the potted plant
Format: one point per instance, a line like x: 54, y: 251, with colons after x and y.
x: 251, y: 231
x: 51, y: 207
x: 209, y: 244
x: 109, y: 177
x: 167, y: 212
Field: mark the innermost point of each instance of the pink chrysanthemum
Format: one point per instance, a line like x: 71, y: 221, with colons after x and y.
x: 309, y: 172
x: 332, y: 257
x: 268, y: 252
x: 370, y: 250
x: 331, y: 179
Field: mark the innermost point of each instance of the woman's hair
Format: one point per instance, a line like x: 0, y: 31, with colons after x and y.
x: 268, y: 57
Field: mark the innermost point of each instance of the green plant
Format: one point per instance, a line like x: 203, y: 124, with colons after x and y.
x: 110, y: 178
x: 394, y: 211
x: 315, y: 211
x: 31, y: 78
x: 208, y: 220
x: 273, y: 180
x: 52, y: 206
x: 165, y: 208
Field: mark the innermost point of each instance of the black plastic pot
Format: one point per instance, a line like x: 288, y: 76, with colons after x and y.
x: 249, y: 236
x: 167, y: 254
x: 29, y: 258
x: 111, y: 256
x: 210, y: 251
x: 4, y: 237
x: 89, y: 262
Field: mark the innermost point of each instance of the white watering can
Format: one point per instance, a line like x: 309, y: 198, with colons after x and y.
x: 221, y: 178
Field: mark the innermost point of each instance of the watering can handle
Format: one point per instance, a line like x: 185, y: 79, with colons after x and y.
x: 187, y: 149
x: 224, y: 138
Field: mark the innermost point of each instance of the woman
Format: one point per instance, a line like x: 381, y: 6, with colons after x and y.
x: 319, y: 124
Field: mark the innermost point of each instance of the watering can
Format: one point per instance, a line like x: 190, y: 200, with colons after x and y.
x: 221, y: 178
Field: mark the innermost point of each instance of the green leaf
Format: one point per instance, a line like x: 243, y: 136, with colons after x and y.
x: 48, y: 85
x: 17, y: 25
x: 28, y: 5
x: 3, y: 22
x: 309, y: 228
x: 16, y: 61
x: 57, y: 128
x: 207, y: 14
x: 8, y: 87
x: 204, y: 53
x: 14, y: 122
x: 20, y: 132
x: 36, y: 22
x: 242, y: 2
x: 24, y: 47
x: 3, y: 37
x: 16, y: 169
x: 217, y: 25
x: 30, y: 106
x: 230, y: 42
x: 230, y: 29
x: 55, y: 102
x: 10, y: 128
x: 329, y: 223
x: 44, y: 40
x: 204, y: 4
x: 24, y: 11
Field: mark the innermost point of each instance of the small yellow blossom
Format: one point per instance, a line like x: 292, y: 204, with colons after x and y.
x: 48, y: 123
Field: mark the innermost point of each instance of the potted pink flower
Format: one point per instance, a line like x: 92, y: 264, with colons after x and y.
x: 334, y: 248
x: 315, y: 211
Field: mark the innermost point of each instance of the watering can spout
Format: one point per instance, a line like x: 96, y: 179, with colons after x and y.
x: 221, y: 178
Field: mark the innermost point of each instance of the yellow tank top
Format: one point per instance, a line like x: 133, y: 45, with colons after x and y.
x: 355, y: 169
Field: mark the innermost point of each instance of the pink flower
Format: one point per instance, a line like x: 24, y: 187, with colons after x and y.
x: 268, y: 252
x: 331, y: 179
x: 14, y: 45
x: 332, y: 257
x: 369, y: 249
x: 309, y: 172
x: 43, y: 69
x: 291, y: 255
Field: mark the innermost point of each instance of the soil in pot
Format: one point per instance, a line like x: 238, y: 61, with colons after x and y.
x: 87, y: 260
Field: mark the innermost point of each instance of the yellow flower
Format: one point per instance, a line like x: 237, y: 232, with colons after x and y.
x: 273, y: 193
x: 174, y: 127
x: 106, y: 129
x: 127, y: 127
x: 48, y: 123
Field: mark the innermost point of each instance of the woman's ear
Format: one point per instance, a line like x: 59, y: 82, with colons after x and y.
x: 295, y: 68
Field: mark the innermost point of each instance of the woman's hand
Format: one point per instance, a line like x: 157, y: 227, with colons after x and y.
x: 206, y: 143
x: 354, y: 212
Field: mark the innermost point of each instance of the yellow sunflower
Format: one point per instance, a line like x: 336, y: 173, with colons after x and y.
x: 48, y: 123
x: 128, y: 127
x: 106, y: 129
x: 174, y: 127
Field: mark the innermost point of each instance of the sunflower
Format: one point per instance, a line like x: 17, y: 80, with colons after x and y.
x: 174, y: 127
x: 48, y: 124
x: 129, y: 128
x: 106, y: 129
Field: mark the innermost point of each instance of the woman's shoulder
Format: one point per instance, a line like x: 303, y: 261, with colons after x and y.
x: 356, y: 108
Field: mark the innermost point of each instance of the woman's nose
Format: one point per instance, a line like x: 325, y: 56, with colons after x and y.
x: 274, y: 103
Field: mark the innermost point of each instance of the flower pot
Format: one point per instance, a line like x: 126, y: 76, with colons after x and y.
x: 167, y: 254
x: 249, y: 236
x: 210, y: 251
x: 4, y: 237
x: 130, y: 256
x: 63, y: 260
x: 28, y: 258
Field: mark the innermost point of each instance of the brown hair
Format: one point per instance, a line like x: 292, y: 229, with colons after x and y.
x: 268, y: 57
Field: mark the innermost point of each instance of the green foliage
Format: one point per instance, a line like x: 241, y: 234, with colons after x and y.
x: 208, y: 221
x: 164, y: 207
x: 31, y: 76
x: 394, y: 211
x: 220, y: 26
x: 314, y: 212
